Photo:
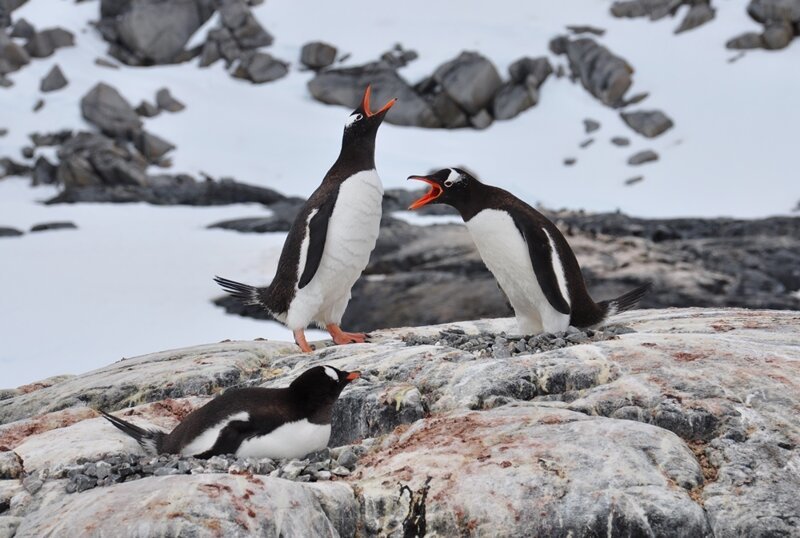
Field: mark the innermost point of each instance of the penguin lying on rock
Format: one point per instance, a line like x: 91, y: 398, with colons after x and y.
x: 527, y: 254
x: 331, y: 239
x: 254, y: 422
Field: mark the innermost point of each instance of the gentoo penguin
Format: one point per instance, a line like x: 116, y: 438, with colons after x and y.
x: 254, y: 422
x: 527, y: 254
x: 331, y: 239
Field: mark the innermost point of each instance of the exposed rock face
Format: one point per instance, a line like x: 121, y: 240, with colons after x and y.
x: 649, y: 123
x: 684, y: 424
x: 603, y: 74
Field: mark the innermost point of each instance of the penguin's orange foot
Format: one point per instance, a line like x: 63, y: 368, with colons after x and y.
x: 340, y: 337
x: 300, y: 340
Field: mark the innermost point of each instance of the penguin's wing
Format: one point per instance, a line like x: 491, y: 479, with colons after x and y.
x: 317, y: 232
x: 541, y: 253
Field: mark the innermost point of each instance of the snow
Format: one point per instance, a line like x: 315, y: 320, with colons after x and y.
x: 136, y: 279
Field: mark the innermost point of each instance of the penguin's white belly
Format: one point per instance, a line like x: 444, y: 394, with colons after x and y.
x: 291, y: 440
x: 352, y: 233
x: 505, y: 253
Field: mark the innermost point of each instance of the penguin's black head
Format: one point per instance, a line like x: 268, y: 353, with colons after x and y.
x: 364, y: 123
x: 452, y: 186
x: 323, y: 382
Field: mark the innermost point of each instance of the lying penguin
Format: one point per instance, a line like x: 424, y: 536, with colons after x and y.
x: 331, y: 239
x: 527, y: 254
x: 254, y: 422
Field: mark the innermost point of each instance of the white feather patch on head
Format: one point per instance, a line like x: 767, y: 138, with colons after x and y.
x: 352, y: 119
x: 331, y: 373
x: 453, y: 177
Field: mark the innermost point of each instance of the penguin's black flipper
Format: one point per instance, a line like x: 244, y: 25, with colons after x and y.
x: 317, y: 233
x: 542, y: 261
x: 150, y: 440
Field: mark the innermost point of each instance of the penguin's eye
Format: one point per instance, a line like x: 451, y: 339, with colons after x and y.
x: 449, y: 183
x: 353, y: 118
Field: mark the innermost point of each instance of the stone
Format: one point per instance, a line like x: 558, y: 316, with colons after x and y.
x: 746, y: 41
x: 317, y: 55
x: 586, y: 143
x: 399, y: 57
x: 102, y: 62
x: 649, y: 123
x: 9, y: 525
x: 643, y: 157
x: 281, y: 220
x: 44, y: 172
x: 243, y: 26
x: 10, y: 465
x: 539, y: 68
x: 27, y: 152
x: 570, y: 161
x: 768, y: 11
x: 104, y: 107
x: 22, y: 29
x: 47, y: 226
x: 44, y: 43
x: 147, y: 109
x: 601, y: 72
x: 470, y: 79
x: 39, y: 105
x: 6, y: 231
x: 346, y: 87
x: 586, y: 29
x: 261, y: 67
x: 590, y: 125
x: 9, y: 167
x: 620, y: 141
x: 165, y: 101
x: 3, y: 131
x: 654, y: 9
x: 698, y: 15
x: 512, y: 99
x: 481, y: 120
x: 12, y: 56
x: 777, y: 35
x: 54, y: 80
x: 152, y: 147
x: 634, y: 180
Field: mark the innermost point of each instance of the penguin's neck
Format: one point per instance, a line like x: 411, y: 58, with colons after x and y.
x: 473, y: 201
x: 356, y: 156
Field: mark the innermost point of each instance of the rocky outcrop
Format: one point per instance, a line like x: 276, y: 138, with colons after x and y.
x: 684, y: 421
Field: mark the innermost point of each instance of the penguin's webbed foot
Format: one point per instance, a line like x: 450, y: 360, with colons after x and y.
x: 300, y: 340
x: 340, y: 337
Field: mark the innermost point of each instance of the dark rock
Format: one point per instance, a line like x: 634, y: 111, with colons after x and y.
x: 481, y: 120
x: 569, y: 161
x: 44, y: 172
x: 244, y: 27
x: 283, y: 215
x: 513, y: 98
x: 634, y: 180
x: 9, y: 167
x: 770, y: 11
x: 777, y: 35
x: 75, y: 172
x: 165, y: 101
x: 23, y: 29
x: 470, y: 80
x: 116, y: 168
x: 47, y: 226
x: 649, y: 123
x: 642, y: 157
x: 39, y: 105
x: 620, y: 141
x: 636, y: 98
x: 147, y: 109
x: 44, y: 43
x: 51, y: 139
x: 602, y: 73
x: 654, y: 9
x: 3, y: 131
x: 590, y: 125
x: 317, y: 55
x: 104, y: 107
x: 698, y: 15
x: 54, y: 80
x: 539, y: 68
x: 12, y: 56
x: 346, y: 87
x: 446, y: 110
x: 746, y: 41
x: 399, y: 57
x: 260, y: 67
x: 586, y: 143
x: 584, y: 29
x: 102, y: 62
x: 5, y: 231
x: 152, y: 147
x: 27, y: 152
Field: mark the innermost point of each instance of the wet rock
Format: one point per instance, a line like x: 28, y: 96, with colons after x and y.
x: 643, y: 157
x: 470, y: 79
x: 104, y: 107
x: 165, y: 101
x: 47, y: 226
x: 260, y: 67
x: 54, y: 80
x: 698, y: 15
x: 317, y: 55
x: 43, y: 44
x: 512, y: 99
x: 603, y: 74
x: 539, y: 68
x: 649, y: 123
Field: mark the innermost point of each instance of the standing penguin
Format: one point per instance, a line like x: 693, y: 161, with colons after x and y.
x: 526, y: 253
x: 330, y: 241
x: 254, y: 422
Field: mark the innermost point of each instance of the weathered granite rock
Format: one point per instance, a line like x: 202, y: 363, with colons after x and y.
x: 54, y: 80
x: 22, y: 28
x: 649, y: 123
x: 698, y: 15
x: 603, y: 74
x: 165, y: 101
x: 470, y: 79
x: 642, y: 157
x: 539, y: 68
x: 512, y: 99
x: 317, y: 55
x: 260, y: 67
x: 109, y: 111
x: 48, y: 226
x: 748, y: 40
x: 44, y: 43
x: 12, y: 56
x: 683, y: 426
x: 152, y: 147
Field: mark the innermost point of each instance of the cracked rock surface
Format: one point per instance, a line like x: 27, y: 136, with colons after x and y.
x: 676, y: 422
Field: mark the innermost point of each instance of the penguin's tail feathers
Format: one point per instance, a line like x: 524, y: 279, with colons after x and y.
x: 250, y: 295
x: 151, y: 440
x: 626, y: 301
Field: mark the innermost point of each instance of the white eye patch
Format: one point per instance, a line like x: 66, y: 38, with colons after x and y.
x: 452, y: 179
x: 353, y: 118
x: 331, y: 373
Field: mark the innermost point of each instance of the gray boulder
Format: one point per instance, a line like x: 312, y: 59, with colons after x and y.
x: 539, y: 68
x: 317, y: 55
x: 470, y: 80
x: 147, y: 109
x: 481, y: 120
x: 698, y: 15
x: 777, y: 35
x: 165, y: 101
x: 54, y: 80
x: 649, y: 123
x: 746, y: 41
x: 104, y: 107
x: 152, y: 147
x: 602, y: 73
x: 513, y: 98
x: 767, y: 11
x: 44, y: 172
x: 23, y: 29
x: 643, y: 157
x: 590, y: 125
x: 44, y: 43
x: 12, y: 56
x: 260, y: 67
x: 346, y: 87
x: 243, y: 26
x: 654, y: 9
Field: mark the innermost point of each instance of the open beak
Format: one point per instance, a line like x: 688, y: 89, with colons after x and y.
x: 429, y: 196
x: 366, y: 107
x: 352, y: 376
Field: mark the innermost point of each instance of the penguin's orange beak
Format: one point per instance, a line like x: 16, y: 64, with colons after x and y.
x: 366, y: 106
x: 352, y: 376
x: 429, y: 196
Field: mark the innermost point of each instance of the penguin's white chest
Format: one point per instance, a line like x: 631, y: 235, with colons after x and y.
x: 291, y: 440
x: 505, y: 252
x: 352, y: 233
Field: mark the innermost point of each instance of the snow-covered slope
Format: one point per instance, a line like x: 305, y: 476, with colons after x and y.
x: 137, y: 278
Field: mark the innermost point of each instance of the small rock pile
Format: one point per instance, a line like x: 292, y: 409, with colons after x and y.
x: 39, y: 44
x: 504, y: 345
x: 781, y: 21
x: 326, y: 464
